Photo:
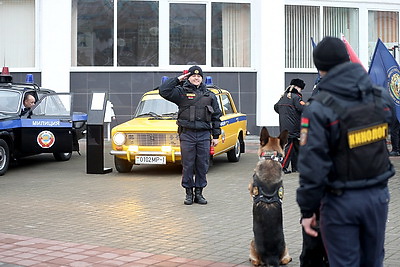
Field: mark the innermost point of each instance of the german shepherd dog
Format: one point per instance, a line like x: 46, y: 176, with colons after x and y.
x: 268, y: 248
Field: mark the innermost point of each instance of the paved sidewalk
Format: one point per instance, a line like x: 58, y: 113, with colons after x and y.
x: 54, y: 214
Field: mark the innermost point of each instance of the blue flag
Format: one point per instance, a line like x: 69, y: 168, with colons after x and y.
x: 318, y: 77
x: 384, y: 71
x: 313, y: 43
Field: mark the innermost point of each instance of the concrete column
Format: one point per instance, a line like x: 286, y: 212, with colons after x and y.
x: 271, y: 59
x: 55, y: 43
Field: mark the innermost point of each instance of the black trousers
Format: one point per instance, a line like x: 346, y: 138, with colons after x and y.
x: 195, y: 153
x: 313, y: 252
x: 291, y: 153
x: 395, y: 135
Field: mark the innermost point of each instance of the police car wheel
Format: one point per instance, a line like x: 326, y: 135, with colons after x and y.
x: 234, y: 153
x: 4, y: 157
x: 122, y: 165
x: 62, y: 156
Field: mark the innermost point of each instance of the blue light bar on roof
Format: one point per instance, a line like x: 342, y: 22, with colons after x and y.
x: 164, y: 78
x: 209, y: 80
x: 29, y: 78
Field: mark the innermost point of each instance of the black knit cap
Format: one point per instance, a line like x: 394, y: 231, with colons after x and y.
x: 298, y: 82
x: 330, y: 52
x: 196, y: 70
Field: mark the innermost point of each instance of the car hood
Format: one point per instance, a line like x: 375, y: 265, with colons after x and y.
x: 4, y: 116
x: 147, y: 125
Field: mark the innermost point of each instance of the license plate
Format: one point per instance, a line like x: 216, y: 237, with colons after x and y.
x: 150, y: 159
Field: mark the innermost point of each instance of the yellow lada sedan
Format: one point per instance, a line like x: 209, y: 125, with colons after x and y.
x: 151, y: 136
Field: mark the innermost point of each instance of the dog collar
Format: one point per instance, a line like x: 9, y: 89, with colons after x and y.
x: 272, y: 155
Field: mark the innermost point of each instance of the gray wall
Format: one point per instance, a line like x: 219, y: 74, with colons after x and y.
x: 126, y: 88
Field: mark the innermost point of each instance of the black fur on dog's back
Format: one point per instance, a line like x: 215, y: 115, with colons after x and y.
x: 267, y: 227
x: 267, y: 217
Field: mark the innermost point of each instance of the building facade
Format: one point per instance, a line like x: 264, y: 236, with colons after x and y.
x: 123, y: 47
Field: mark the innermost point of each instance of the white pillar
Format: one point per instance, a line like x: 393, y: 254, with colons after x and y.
x: 55, y: 43
x: 271, y: 59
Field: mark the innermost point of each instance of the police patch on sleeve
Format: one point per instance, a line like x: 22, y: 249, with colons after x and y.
x: 305, y: 122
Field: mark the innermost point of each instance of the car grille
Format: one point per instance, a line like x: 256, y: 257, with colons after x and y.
x: 152, y: 139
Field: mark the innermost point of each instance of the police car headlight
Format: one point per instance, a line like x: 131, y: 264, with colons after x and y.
x: 119, y: 139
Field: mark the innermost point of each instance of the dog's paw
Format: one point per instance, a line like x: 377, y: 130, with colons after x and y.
x: 254, y: 262
x: 285, y: 260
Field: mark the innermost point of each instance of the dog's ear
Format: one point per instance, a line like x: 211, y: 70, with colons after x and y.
x: 283, y: 137
x: 264, y: 136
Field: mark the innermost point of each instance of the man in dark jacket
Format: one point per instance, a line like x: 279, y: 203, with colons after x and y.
x: 198, y: 120
x: 289, y: 108
x: 344, y: 163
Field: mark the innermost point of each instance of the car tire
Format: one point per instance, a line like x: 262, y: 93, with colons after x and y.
x: 4, y: 157
x: 122, y: 165
x: 234, y: 153
x: 62, y: 156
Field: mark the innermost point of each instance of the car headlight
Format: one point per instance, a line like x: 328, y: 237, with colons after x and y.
x: 119, y: 139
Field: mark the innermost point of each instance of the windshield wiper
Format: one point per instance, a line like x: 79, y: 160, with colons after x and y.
x: 151, y: 114
x: 173, y: 114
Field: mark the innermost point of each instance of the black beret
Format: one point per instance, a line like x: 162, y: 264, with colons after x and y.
x: 330, y: 52
x: 298, y: 82
x: 196, y: 70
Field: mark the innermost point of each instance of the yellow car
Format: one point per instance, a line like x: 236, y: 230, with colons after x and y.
x: 151, y: 136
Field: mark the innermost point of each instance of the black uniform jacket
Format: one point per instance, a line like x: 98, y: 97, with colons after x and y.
x: 289, y: 110
x: 346, y: 83
x: 173, y: 91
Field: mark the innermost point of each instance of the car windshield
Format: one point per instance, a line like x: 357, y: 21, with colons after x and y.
x: 156, y: 107
x: 10, y: 101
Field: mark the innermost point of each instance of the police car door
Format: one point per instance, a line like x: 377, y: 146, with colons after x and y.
x: 228, y: 121
x: 48, y: 127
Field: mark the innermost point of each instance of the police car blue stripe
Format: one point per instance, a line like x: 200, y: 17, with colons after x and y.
x: 79, y: 116
x: 9, y: 124
x: 56, y: 123
x: 30, y: 123
x: 233, y: 120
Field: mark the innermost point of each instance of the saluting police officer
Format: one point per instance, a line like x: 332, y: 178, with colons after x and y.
x: 198, y: 127
x: 344, y: 162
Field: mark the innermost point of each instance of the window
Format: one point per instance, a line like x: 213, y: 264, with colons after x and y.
x: 339, y: 20
x: 226, y: 105
x: 187, y: 34
x: 230, y: 35
x: 126, y: 33
x: 302, y: 24
x: 17, y: 31
x: 383, y: 25
x: 94, y: 22
x: 137, y: 41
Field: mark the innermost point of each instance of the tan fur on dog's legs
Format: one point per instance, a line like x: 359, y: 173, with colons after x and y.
x: 254, y: 257
x: 286, y: 257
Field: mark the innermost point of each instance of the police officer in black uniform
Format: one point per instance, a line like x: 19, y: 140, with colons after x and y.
x: 343, y: 162
x: 198, y: 126
x: 289, y: 108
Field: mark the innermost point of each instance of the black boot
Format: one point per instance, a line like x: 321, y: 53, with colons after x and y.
x: 198, y: 196
x: 189, y: 196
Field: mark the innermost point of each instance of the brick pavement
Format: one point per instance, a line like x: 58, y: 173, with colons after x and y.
x: 54, y: 214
